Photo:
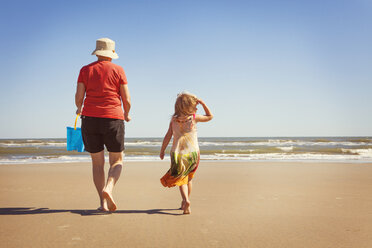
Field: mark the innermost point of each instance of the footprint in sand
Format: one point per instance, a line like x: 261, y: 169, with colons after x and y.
x: 64, y: 227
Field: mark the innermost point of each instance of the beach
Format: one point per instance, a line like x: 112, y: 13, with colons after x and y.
x: 234, y: 204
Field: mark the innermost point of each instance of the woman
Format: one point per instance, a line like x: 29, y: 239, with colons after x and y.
x: 104, y: 86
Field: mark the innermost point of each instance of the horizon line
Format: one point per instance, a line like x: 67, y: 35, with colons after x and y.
x: 153, y: 137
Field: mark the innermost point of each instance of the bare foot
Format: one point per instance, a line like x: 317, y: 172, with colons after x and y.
x: 102, y: 209
x: 103, y: 206
x: 182, y: 205
x: 110, y: 201
x: 187, y: 209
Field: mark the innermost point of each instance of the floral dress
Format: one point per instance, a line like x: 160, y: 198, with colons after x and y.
x: 184, y: 154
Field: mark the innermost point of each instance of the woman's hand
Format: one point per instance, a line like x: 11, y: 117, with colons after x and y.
x: 127, y: 118
x: 78, y: 111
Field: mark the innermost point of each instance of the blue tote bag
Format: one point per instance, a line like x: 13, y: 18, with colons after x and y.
x: 74, y: 138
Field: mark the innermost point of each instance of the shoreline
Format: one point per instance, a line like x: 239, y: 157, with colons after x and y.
x: 208, y: 161
x: 227, y: 149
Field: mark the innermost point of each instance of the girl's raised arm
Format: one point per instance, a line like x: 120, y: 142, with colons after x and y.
x: 166, y: 140
x: 208, y: 115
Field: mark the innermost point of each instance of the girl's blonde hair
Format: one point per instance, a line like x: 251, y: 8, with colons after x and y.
x: 185, y: 104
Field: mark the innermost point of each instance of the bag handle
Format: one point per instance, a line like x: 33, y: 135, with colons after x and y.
x: 77, y: 117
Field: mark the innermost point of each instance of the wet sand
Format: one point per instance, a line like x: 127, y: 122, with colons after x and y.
x: 234, y: 204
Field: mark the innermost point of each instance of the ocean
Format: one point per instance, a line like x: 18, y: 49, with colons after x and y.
x: 324, y: 149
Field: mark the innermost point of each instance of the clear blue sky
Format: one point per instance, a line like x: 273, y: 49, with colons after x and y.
x: 265, y: 68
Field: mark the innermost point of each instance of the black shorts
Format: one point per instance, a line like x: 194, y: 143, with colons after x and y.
x: 99, y: 132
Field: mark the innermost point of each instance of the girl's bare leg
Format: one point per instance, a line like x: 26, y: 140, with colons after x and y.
x: 116, y: 165
x: 98, y: 162
x: 185, y: 199
x: 189, y: 188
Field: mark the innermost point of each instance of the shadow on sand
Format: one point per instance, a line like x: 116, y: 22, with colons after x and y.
x: 82, y: 212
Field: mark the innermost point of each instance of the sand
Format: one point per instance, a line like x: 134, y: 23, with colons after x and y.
x: 234, y: 204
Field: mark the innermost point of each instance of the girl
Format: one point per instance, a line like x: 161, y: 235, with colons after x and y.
x: 185, y: 153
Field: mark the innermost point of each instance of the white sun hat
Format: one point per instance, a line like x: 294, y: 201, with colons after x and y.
x: 105, y: 47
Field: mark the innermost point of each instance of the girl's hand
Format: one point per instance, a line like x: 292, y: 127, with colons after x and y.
x: 200, y: 101
x: 207, y: 116
x: 161, y: 155
x: 78, y: 111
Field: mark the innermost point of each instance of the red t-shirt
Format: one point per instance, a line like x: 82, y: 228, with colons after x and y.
x: 102, y: 80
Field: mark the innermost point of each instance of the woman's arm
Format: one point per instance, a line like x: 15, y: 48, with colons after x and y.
x: 166, y: 140
x: 125, y: 97
x: 208, y: 114
x: 79, y: 97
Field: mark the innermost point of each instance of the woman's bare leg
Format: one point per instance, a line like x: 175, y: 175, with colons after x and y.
x: 116, y: 165
x: 98, y: 162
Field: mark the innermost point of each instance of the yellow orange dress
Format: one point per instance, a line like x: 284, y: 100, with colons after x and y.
x: 185, y: 154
